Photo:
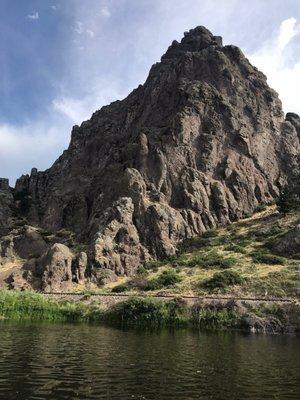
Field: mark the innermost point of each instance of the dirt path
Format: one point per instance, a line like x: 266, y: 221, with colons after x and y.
x: 109, y: 299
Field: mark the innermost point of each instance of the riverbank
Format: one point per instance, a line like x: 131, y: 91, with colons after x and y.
x: 215, y: 314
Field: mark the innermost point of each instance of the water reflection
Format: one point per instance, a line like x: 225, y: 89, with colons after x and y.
x: 94, y: 362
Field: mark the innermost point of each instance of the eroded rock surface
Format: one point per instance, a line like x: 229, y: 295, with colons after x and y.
x: 201, y: 143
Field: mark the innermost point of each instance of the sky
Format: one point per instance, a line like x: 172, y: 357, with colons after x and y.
x: 61, y: 60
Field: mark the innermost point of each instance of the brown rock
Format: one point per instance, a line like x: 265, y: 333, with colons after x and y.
x: 55, y: 269
x: 200, y: 144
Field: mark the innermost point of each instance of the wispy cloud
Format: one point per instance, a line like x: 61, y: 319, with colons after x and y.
x: 29, y: 148
x: 33, y: 16
x: 79, y: 27
x: 90, y: 33
x: 54, y: 7
x: 105, y: 12
x: 273, y: 59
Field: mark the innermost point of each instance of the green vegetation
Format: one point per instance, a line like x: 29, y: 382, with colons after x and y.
x: 223, y: 279
x: 243, y: 248
x: 289, y: 198
x: 266, y: 258
x: 216, y: 319
x: 211, y: 259
x: 36, y: 307
x: 166, y: 278
x: 141, y: 312
x: 149, y: 311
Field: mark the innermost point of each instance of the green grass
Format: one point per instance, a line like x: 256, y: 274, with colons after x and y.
x: 36, y: 307
x: 216, y: 319
x: 136, y: 311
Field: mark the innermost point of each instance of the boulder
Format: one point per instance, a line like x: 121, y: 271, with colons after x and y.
x: 55, y: 269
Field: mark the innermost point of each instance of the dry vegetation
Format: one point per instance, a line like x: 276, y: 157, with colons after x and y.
x: 236, y: 260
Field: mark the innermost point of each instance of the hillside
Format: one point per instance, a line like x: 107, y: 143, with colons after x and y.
x: 237, y: 261
x: 201, y: 144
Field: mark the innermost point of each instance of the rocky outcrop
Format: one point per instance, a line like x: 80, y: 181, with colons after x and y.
x: 55, y: 269
x: 6, y: 204
x: 25, y: 243
x: 200, y: 144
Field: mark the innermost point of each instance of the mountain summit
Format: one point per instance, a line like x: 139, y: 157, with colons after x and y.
x: 202, y: 143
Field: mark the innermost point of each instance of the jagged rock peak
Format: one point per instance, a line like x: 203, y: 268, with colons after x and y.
x: 195, y: 39
x: 202, y: 143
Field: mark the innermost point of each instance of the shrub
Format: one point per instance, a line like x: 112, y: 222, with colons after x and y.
x: 214, y: 319
x: 260, y: 208
x: 210, y: 233
x: 167, y: 278
x: 223, y: 279
x: 289, y: 198
x: 236, y: 248
x: 149, y: 311
x: 212, y: 259
x: 123, y: 287
x: 139, y: 311
x: 266, y: 258
x: 153, y: 265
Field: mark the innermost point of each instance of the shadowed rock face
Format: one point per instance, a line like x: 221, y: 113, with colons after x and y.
x: 201, y: 143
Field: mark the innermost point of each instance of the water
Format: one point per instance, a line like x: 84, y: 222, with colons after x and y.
x: 94, y: 362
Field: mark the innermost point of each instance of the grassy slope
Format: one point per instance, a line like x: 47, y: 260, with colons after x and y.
x: 241, y: 251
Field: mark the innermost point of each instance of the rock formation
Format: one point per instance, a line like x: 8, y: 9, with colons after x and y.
x: 200, y: 144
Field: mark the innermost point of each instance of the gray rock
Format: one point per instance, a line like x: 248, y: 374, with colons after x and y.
x: 201, y: 143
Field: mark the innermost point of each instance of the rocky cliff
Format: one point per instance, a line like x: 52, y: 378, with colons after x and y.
x: 201, y: 143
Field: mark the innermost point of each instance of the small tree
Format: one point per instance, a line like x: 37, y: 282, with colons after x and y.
x: 289, y: 198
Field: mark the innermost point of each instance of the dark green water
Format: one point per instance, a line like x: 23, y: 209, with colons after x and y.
x: 93, y: 362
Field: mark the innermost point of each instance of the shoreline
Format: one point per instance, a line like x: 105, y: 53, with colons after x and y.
x: 280, y: 316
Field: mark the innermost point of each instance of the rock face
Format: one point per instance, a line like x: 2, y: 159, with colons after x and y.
x: 24, y: 243
x: 200, y: 144
x: 6, y: 203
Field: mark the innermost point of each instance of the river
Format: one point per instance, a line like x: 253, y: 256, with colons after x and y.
x: 65, y: 362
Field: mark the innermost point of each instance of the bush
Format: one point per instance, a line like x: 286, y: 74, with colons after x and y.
x: 123, y: 287
x: 210, y: 234
x: 289, y: 198
x: 236, y: 248
x: 266, y: 258
x: 167, y: 278
x: 215, y: 319
x: 212, y: 259
x: 260, y: 208
x: 223, y: 279
x: 149, y: 311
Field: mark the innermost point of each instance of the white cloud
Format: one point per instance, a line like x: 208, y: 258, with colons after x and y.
x: 79, y: 27
x: 272, y: 59
x: 54, y: 8
x: 75, y: 110
x: 35, y: 144
x: 33, y: 16
x: 105, y: 12
x: 78, y: 110
x: 90, y: 33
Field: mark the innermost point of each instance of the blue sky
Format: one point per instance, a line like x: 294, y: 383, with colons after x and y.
x: 61, y: 60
